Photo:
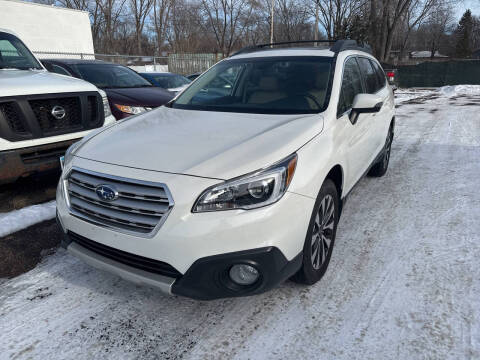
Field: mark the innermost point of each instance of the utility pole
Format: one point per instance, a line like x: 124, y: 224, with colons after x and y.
x: 271, y: 22
x: 315, y: 35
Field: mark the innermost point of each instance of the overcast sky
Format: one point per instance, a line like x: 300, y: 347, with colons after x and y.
x: 463, y: 5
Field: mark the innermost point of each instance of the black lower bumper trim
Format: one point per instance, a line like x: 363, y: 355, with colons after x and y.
x: 207, y: 278
x: 25, y: 161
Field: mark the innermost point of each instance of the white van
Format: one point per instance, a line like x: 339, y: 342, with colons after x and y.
x: 41, y: 113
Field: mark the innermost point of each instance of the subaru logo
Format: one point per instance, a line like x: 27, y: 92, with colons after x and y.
x: 106, y: 192
x: 58, y: 112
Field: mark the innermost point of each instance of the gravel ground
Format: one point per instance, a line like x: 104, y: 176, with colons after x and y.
x: 403, y: 283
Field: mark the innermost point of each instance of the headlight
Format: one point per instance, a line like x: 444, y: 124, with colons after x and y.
x: 106, y: 106
x: 251, y: 191
x: 134, y: 110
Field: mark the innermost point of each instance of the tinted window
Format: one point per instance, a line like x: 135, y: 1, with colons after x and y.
x: 270, y: 85
x: 14, y: 54
x: 167, y: 81
x: 351, y: 85
x: 110, y: 76
x: 380, y: 74
x: 370, y: 75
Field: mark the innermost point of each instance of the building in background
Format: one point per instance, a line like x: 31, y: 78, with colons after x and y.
x: 46, y: 28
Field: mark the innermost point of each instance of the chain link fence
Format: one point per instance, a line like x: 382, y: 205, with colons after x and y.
x: 184, y: 64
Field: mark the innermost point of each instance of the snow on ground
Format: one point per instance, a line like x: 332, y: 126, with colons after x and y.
x: 460, y: 90
x: 403, y: 95
x: 403, y: 283
x: 20, y: 219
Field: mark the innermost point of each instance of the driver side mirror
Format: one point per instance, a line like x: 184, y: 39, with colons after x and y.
x: 365, y: 103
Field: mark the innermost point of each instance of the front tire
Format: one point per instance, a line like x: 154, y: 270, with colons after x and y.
x: 380, y: 168
x: 320, y: 238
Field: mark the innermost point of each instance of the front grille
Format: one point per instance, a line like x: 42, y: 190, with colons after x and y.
x: 92, y: 110
x: 140, y: 206
x: 48, y: 123
x: 12, y: 115
x: 30, y: 116
x: 136, y: 261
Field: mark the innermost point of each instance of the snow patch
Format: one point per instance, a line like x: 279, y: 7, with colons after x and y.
x: 452, y: 90
x: 20, y: 219
x: 402, y: 95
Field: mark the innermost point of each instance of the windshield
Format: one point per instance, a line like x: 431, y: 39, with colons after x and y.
x: 110, y: 76
x: 273, y: 85
x: 167, y: 81
x: 15, y: 55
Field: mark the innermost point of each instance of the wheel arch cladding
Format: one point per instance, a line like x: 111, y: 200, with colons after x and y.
x: 336, y: 175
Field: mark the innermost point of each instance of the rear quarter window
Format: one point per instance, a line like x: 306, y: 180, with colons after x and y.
x: 382, y: 79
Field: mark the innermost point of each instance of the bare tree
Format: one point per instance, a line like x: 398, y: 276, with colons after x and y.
x: 335, y: 16
x: 141, y: 9
x: 292, y: 21
x: 418, y: 13
x: 187, y: 29
x: 228, y: 20
x: 162, y: 10
x: 111, y: 11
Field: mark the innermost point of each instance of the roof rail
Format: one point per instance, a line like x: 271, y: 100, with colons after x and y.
x: 338, y: 45
x: 342, y: 45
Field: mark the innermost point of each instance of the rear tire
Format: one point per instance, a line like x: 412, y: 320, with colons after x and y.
x: 381, y: 167
x: 320, y: 238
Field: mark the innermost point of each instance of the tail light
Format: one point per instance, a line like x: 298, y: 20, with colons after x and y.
x: 391, y: 76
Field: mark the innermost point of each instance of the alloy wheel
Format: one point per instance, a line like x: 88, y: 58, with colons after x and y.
x: 386, y: 157
x: 322, y: 234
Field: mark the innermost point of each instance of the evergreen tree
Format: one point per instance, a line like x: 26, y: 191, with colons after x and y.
x: 463, y: 35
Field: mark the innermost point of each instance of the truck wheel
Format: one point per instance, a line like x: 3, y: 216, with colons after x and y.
x: 380, y: 168
x: 320, y: 238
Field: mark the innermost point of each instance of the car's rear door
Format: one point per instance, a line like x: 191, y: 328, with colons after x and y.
x: 377, y: 121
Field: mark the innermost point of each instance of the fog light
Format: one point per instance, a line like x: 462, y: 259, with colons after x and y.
x: 243, y: 274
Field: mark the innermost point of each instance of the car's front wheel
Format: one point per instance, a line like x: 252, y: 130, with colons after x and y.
x: 320, y: 238
x: 380, y: 168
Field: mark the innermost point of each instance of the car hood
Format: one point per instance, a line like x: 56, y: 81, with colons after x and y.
x: 216, y: 145
x: 29, y: 82
x: 141, y: 96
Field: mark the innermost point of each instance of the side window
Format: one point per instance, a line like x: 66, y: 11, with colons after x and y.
x: 369, y: 74
x: 380, y: 74
x: 59, y: 70
x: 351, y: 85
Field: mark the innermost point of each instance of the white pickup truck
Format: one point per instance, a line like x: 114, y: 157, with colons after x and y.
x: 41, y: 113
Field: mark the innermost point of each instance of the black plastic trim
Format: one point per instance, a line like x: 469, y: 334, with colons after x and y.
x: 338, y: 45
x: 207, y: 278
x: 130, y: 259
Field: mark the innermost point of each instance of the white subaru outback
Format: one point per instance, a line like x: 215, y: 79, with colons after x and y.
x: 238, y: 183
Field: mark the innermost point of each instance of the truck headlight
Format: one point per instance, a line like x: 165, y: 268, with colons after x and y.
x: 106, y: 106
x: 250, y: 191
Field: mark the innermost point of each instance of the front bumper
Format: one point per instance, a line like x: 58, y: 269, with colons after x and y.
x: 26, y: 161
x: 201, y: 247
x: 206, y: 279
